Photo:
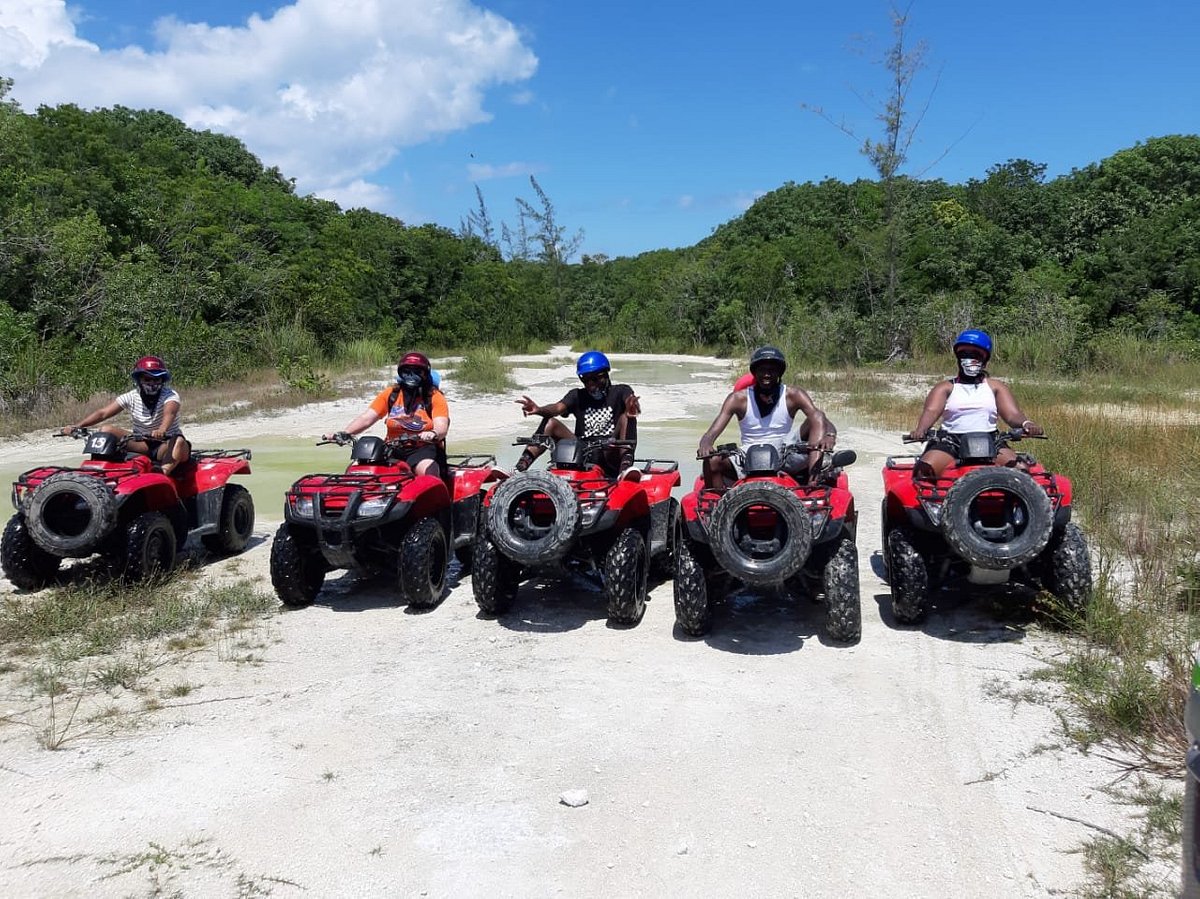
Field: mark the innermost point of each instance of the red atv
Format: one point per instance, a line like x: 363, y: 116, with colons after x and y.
x: 122, y: 506
x: 577, y: 517
x: 379, y: 516
x: 983, y: 522
x: 767, y: 530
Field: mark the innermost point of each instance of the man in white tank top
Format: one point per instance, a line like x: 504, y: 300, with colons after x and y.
x: 765, y: 412
x: 969, y: 403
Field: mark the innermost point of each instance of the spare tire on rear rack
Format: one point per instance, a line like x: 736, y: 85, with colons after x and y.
x: 1012, y: 533
x: 533, y: 518
x: 760, y: 559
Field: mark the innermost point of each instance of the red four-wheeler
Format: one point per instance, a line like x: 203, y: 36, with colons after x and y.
x: 576, y: 517
x: 122, y: 506
x: 981, y: 521
x: 767, y: 530
x: 379, y: 516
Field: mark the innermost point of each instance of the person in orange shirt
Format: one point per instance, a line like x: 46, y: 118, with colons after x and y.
x: 413, y: 406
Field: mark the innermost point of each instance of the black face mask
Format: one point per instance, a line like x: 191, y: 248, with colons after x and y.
x: 410, y: 381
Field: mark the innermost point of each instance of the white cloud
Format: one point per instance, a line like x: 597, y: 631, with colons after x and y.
x: 687, y: 201
x: 327, y: 91
x: 487, y: 172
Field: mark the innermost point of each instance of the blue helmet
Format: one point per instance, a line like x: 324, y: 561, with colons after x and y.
x: 975, y: 338
x: 591, y: 361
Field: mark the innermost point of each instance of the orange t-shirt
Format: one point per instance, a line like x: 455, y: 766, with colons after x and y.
x: 401, y: 422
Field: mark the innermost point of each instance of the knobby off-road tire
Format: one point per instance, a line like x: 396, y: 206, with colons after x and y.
x: 962, y: 537
x: 236, y: 525
x: 25, y: 563
x: 423, y: 558
x: 149, y: 546
x: 626, y: 572
x: 663, y: 565
x: 494, y: 578
x: 504, y: 519
x: 1067, y: 569
x: 724, y: 531
x: 297, y: 571
x: 693, y: 605
x: 908, y: 578
x: 70, y: 514
x: 843, y: 610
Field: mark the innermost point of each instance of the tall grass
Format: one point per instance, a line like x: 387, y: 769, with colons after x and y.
x: 485, y: 370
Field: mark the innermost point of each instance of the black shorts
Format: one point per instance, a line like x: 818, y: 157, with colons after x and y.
x: 414, y: 455
x: 948, y: 443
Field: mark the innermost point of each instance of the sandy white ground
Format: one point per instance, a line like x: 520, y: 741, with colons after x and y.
x: 376, y: 752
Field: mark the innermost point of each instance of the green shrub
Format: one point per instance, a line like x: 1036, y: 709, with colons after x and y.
x: 485, y: 370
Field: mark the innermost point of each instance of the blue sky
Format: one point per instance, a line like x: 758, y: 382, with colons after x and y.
x: 647, y: 124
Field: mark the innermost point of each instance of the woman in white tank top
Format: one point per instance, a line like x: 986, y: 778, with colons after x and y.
x: 968, y: 403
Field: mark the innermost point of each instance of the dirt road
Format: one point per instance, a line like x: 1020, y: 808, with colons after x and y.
x: 376, y: 752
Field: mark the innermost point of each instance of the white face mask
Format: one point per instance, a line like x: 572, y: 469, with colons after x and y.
x: 971, y: 367
x: 150, y: 388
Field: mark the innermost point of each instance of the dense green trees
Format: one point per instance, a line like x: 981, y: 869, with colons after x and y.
x: 123, y: 231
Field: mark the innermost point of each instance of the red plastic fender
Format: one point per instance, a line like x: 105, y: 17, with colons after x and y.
x: 427, y: 494
x: 156, y: 489
x: 209, y: 475
x: 631, y: 499
x: 469, y: 481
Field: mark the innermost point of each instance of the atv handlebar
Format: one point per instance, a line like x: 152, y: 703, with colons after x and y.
x: 546, y: 441
x: 941, y: 433
x: 344, y: 438
x: 729, y: 450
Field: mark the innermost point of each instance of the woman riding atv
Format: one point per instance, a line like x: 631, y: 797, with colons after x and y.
x: 154, y: 410
x: 970, y: 402
x: 413, y: 406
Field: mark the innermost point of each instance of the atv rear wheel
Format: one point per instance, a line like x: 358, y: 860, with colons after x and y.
x: 424, y: 555
x: 1015, y: 536
x: 25, y: 563
x: 70, y: 513
x: 297, y: 571
x: 1067, y: 569
x: 626, y: 571
x: 693, y: 605
x: 843, y: 611
x: 759, y: 560
x: 495, y: 578
x: 236, y: 524
x: 525, y: 533
x: 908, y: 578
x: 149, y: 546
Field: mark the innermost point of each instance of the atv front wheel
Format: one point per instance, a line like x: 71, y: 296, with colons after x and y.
x: 297, y: 571
x: 663, y: 565
x: 236, y: 524
x: 626, y: 571
x: 25, y: 563
x: 908, y: 578
x: 149, y: 546
x: 70, y: 513
x: 693, y: 606
x: 843, y: 611
x: 1067, y: 569
x: 424, y: 556
x: 495, y: 578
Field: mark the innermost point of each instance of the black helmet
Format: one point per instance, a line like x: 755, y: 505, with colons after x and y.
x: 767, y: 354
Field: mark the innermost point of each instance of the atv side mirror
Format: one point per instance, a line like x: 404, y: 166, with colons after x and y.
x: 842, y: 458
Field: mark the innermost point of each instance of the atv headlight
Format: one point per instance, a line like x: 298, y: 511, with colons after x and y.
x: 302, y: 507
x: 373, y: 508
x: 589, y: 513
x: 818, y: 522
x: 934, y: 511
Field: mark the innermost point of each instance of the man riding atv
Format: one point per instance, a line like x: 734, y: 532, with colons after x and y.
x: 601, y: 409
x: 765, y: 413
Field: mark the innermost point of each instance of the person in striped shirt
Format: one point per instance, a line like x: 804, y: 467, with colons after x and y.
x: 153, y: 407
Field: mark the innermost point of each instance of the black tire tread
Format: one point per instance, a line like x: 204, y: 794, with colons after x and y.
x: 843, y: 608
x: 983, y: 553
x: 95, y: 493
x: 140, y: 535
x: 495, y: 578
x: 795, y: 550
x: 1068, y: 569
x: 231, y: 539
x: 693, y: 605
x: 424, y: 555
x: 25, y: 564
x: 567, y: 519
x: 626, y: 572
x: 908, y: 578
x: 297, y: 573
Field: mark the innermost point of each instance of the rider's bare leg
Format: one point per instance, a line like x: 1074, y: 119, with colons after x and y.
x: 551, y: 427
x: 429, y: 467
x: 718, y: 472
x: 931, y: 464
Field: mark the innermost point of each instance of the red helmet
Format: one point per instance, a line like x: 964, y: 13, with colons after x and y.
x: 414, y: 360
x: 151, y: 366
